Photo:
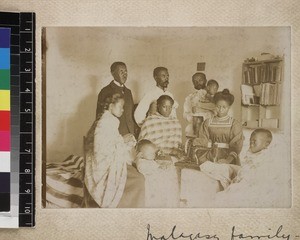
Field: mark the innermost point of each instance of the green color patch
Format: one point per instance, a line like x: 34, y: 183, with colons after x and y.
x: 5, y: 79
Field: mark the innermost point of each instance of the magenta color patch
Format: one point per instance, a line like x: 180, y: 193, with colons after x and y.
x: 4, y: 141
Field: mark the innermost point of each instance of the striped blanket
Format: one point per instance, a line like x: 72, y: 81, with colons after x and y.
x: 164, y: 132
x: 64, y: 183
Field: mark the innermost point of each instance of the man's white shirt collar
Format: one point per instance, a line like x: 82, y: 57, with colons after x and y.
x: 161, y: 90
x: 118, y: 84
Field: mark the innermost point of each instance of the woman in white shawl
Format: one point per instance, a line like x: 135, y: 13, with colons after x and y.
x: 110, y: 179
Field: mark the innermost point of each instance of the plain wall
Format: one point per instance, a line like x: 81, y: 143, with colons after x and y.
x: 78, y: 65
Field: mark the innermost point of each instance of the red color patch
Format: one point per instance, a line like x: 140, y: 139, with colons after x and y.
x: 4, y: 120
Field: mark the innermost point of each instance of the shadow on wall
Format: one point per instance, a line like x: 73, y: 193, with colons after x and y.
x: 71, y: 131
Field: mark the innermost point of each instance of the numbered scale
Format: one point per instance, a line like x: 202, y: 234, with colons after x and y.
x: 27, y: 120
x: 22, y: 98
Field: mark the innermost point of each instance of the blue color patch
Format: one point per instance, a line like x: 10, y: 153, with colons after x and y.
x: 4, y: 37
x: 4, y: 58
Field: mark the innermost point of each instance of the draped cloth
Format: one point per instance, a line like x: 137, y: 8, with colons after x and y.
x: 164, y: 132
x: 151, y: 96
x: 262, y: 181
x: 161, y: 182
x: 106, y: 162
x: 64, y: 183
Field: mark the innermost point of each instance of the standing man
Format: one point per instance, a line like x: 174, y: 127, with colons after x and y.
x: 119, y: 72
x: 147, y: 106
x: 199, y: 105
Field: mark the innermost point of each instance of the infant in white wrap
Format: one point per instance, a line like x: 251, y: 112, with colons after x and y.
x: 161, y: 181
x: 261, y: 181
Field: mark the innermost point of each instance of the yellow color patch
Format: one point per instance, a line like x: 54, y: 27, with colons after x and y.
x: 5, y: 100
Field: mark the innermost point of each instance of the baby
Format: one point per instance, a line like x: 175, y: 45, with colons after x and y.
x: 203, y: 107
x: 256, y: 157
x: 211, y: 89
x: 206, y: 106
x: 160, y: 177
x: 261, y: 180
x: 146, y: 158
x: 253, y: 163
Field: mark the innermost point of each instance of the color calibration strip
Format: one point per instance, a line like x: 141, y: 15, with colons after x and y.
x: 22, y: 120
x: 11, y: 219
x: 5, y: 119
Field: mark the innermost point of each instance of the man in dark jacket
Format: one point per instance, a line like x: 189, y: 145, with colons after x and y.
x: 119, y: 73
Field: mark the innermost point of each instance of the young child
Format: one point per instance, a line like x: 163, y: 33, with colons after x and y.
x: 200, y: 106
x: 206, y: 105
x: 146, y: 154
x: 161, y: 188
x: 228, y: 174
x: 257, y: 157
x: 261, y: 180
x: 163, y: 130
x: 211, y: 89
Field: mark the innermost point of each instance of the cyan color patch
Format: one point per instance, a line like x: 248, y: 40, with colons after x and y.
x: 4, y: 58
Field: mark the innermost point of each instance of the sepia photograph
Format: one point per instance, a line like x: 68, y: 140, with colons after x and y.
x: 166, y: 117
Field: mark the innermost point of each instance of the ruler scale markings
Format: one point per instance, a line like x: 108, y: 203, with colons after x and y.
x: 11, y: 21
x: 27, y: 143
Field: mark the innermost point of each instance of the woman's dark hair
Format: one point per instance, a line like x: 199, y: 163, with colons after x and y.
x: 163, y: 98
x: 224, y: 95
x: 110, y: 99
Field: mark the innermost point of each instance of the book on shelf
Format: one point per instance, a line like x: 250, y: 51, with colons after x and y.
x: 264, y: 94
x: 269, y: 94
x: 257, y: 90
x: 262, y: 73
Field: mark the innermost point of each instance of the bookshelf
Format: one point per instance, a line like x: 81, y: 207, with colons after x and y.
x: 261, y: 93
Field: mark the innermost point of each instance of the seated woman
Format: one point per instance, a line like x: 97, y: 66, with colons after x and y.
x: 222, y: 135
x: 164, y: 131
x: 110, y: 179
x: 220, y: 140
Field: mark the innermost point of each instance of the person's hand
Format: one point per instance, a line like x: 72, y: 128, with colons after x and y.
x: 222, y: 160
x: 129, y: 139
x: 177, y: 152
x: 160, y: 153
x: 225, y: 182
x: 197, y: 109
x: 227, y: 160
